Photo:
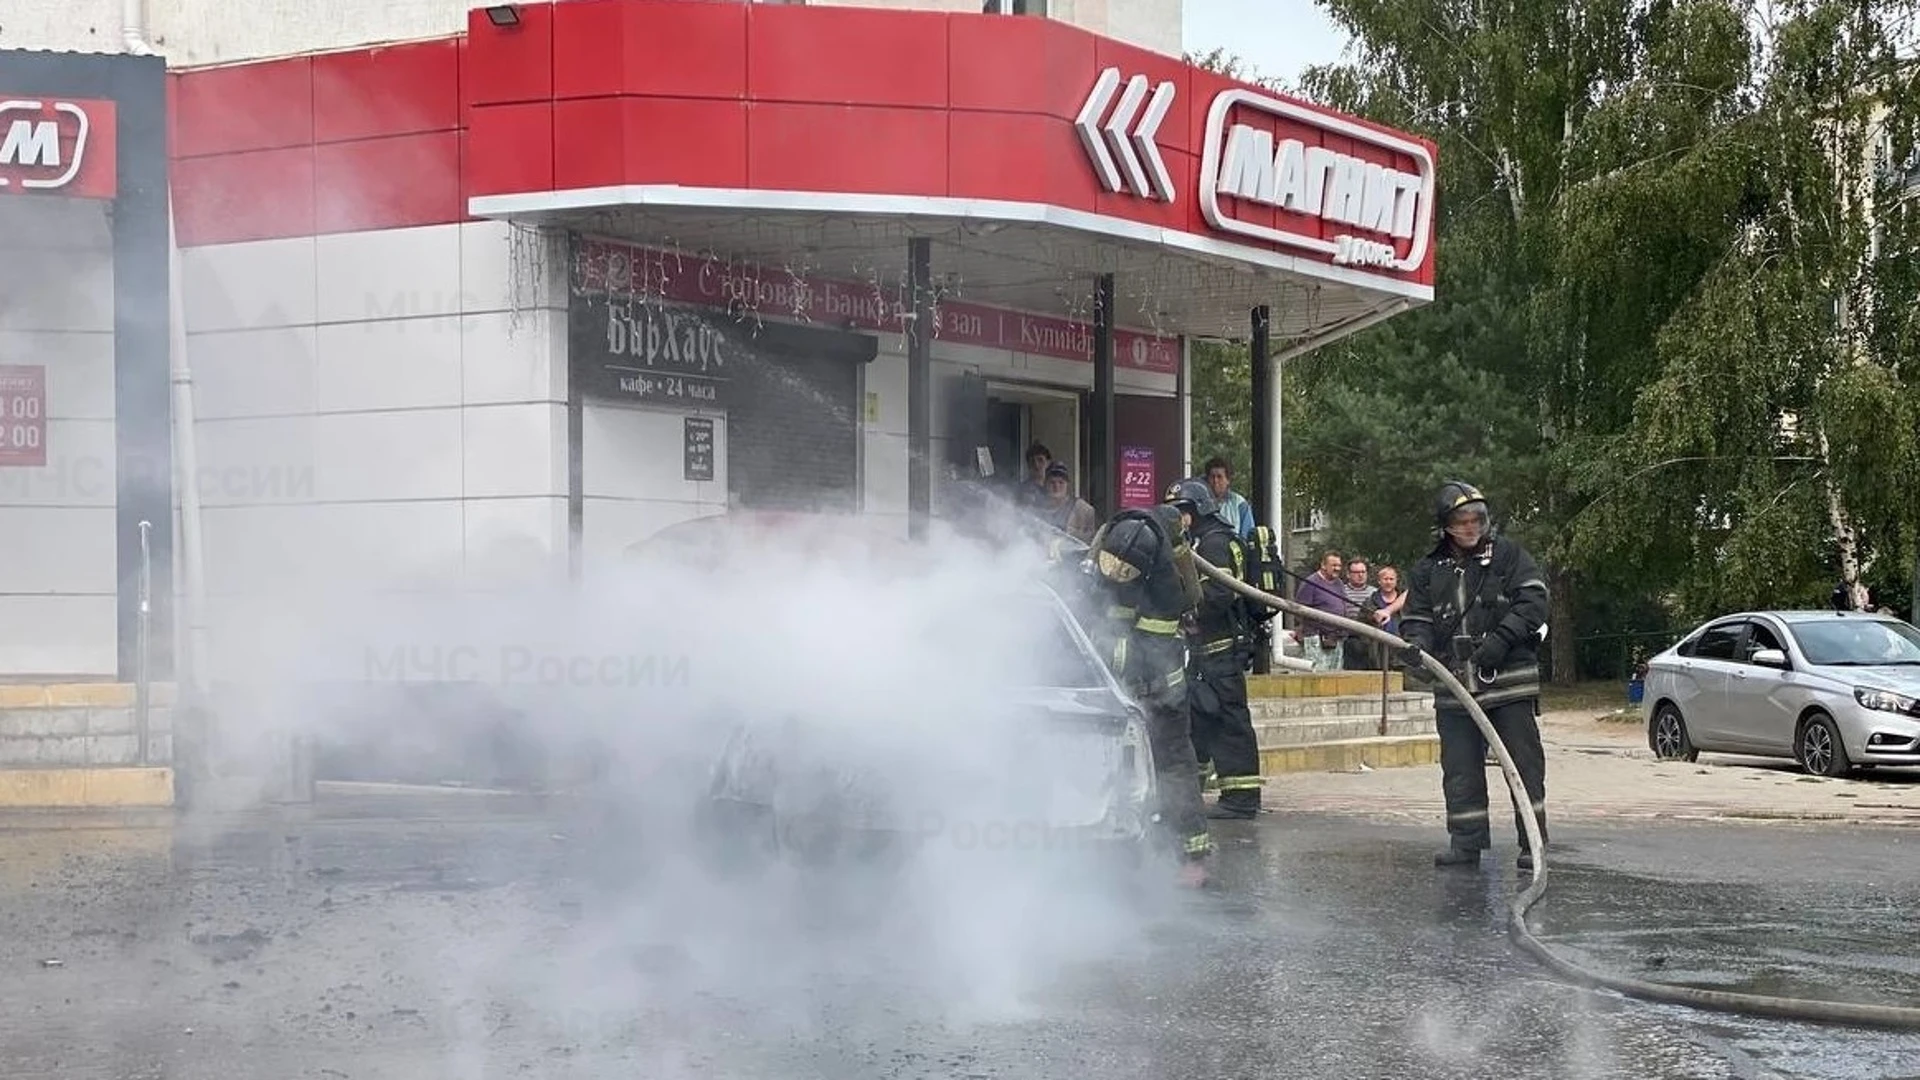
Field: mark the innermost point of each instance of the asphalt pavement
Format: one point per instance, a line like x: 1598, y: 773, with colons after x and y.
x: 472, y: 937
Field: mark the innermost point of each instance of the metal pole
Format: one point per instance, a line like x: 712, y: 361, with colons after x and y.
x: 1386, y: 680
x: 1263, y: 479
x: 920, y: 389
x: 1106, y: 452
x: 142, y: 688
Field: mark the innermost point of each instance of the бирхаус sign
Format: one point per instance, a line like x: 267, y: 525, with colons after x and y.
x: 637, y: 351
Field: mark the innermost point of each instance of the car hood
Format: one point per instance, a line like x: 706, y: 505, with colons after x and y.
x: 1900, y: 679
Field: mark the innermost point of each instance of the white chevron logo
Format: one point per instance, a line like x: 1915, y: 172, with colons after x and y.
x: 1134, y: 150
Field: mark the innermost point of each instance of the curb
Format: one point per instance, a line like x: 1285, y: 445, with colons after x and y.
x: 63, y: 789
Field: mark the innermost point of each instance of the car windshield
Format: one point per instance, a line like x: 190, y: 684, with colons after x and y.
x: 1858, y: 642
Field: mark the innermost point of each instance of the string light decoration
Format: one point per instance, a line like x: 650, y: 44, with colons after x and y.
x: 533, y: 254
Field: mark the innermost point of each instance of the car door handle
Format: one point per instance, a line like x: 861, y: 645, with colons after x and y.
x: 1739, y: 674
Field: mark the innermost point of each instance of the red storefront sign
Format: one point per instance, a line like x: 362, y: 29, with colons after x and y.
x: 23, y: 416
x: 1278, y: 171
x: 1137, y: 486
x: 775, y: 293
x: 51, y: 146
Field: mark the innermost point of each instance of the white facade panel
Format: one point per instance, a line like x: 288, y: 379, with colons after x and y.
x: 393, y: 419
x: 514, y: 541
x: 388, y: 364
x: 380, y: 456
x: 58, y: 575
x: 239, y: 374
x: 67, y: 550
x: 70, y: 635
x: 514, y: 451
x: 375, y: 546
x: 256, y: 461
x: 250, y: 286
x: 388, y: 274
x: 509, y: 358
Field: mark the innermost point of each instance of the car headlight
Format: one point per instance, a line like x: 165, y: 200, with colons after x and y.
x: 1886, y: 701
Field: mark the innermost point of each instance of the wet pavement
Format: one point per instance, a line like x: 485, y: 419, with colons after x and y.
x: 469, y: 937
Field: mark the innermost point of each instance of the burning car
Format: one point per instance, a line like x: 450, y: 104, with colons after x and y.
x: 984, y: 721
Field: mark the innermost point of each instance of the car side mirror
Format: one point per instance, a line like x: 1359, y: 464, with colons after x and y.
x: 1776, y: 658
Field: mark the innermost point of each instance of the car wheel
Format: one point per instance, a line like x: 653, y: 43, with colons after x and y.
x: 1819, y: 748
x: 1667, y: 735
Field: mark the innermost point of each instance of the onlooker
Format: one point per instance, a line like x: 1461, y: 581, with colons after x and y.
x: 1033, y: 486
x: 1388, y: 601
x: 1357, y: 652
x: 1066, y: 511
x: 1233, y: 508
x: 1323, y: 591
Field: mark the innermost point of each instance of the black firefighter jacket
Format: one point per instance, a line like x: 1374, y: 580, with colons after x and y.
x: 1497, y: 597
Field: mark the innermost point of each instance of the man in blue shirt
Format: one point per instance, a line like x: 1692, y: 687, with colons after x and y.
x: 1233, y: 509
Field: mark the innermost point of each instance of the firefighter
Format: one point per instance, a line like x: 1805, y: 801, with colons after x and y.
x: 1145, y: 571
x: 1478, y: 602
x: 1219, y: 644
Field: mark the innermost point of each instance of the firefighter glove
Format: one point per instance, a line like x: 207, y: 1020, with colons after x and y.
x: 1491, y: 654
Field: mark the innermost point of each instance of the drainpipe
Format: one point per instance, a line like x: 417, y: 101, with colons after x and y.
x: 187, y: 462
x: 133, y: 28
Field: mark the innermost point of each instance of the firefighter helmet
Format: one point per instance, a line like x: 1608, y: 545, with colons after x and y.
x: 1127, y: 549
x: 1456, y: 495
x: 1192, y: 495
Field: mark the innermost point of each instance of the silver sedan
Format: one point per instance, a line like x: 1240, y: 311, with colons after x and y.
x: 1831, y: 690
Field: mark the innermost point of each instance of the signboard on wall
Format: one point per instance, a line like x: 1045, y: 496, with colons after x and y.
x: 50, y: 146
x: 698, y: 453
x: 23, y: 415
x: 1137, y: 486
x: 603, y: 266
x: 645, y: 352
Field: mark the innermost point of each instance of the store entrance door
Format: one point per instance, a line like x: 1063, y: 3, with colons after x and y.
x: 1019, y: 416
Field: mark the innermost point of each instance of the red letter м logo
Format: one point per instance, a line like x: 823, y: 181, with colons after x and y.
x: 57, y: 147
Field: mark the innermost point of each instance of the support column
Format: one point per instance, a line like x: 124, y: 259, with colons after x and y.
x: 920, y: 389
x: 1265, y: 481
x: 1183, y: 388
x: 1106, y: 452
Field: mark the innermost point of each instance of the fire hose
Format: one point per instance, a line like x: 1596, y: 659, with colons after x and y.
x: 1786, y: 1008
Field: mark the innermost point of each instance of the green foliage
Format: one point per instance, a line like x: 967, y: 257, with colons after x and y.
x: 1678, y: 303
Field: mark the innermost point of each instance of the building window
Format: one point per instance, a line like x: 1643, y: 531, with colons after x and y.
x: 1014, y: 7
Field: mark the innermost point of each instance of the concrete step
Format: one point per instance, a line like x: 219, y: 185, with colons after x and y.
x: 1333, y: 708
x: 1293, y: 684
x: 1307, y: 732
x: 1348, y: 755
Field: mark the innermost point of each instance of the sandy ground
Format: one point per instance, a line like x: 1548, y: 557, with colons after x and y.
x: 1603, y: 769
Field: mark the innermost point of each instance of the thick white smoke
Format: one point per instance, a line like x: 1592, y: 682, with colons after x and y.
x: 882, y: 679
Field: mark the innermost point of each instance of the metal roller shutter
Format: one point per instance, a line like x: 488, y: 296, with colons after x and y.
x: 793, y: 435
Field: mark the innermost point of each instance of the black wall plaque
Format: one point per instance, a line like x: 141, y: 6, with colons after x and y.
x: 636, y: 351
x: 699, y: 449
